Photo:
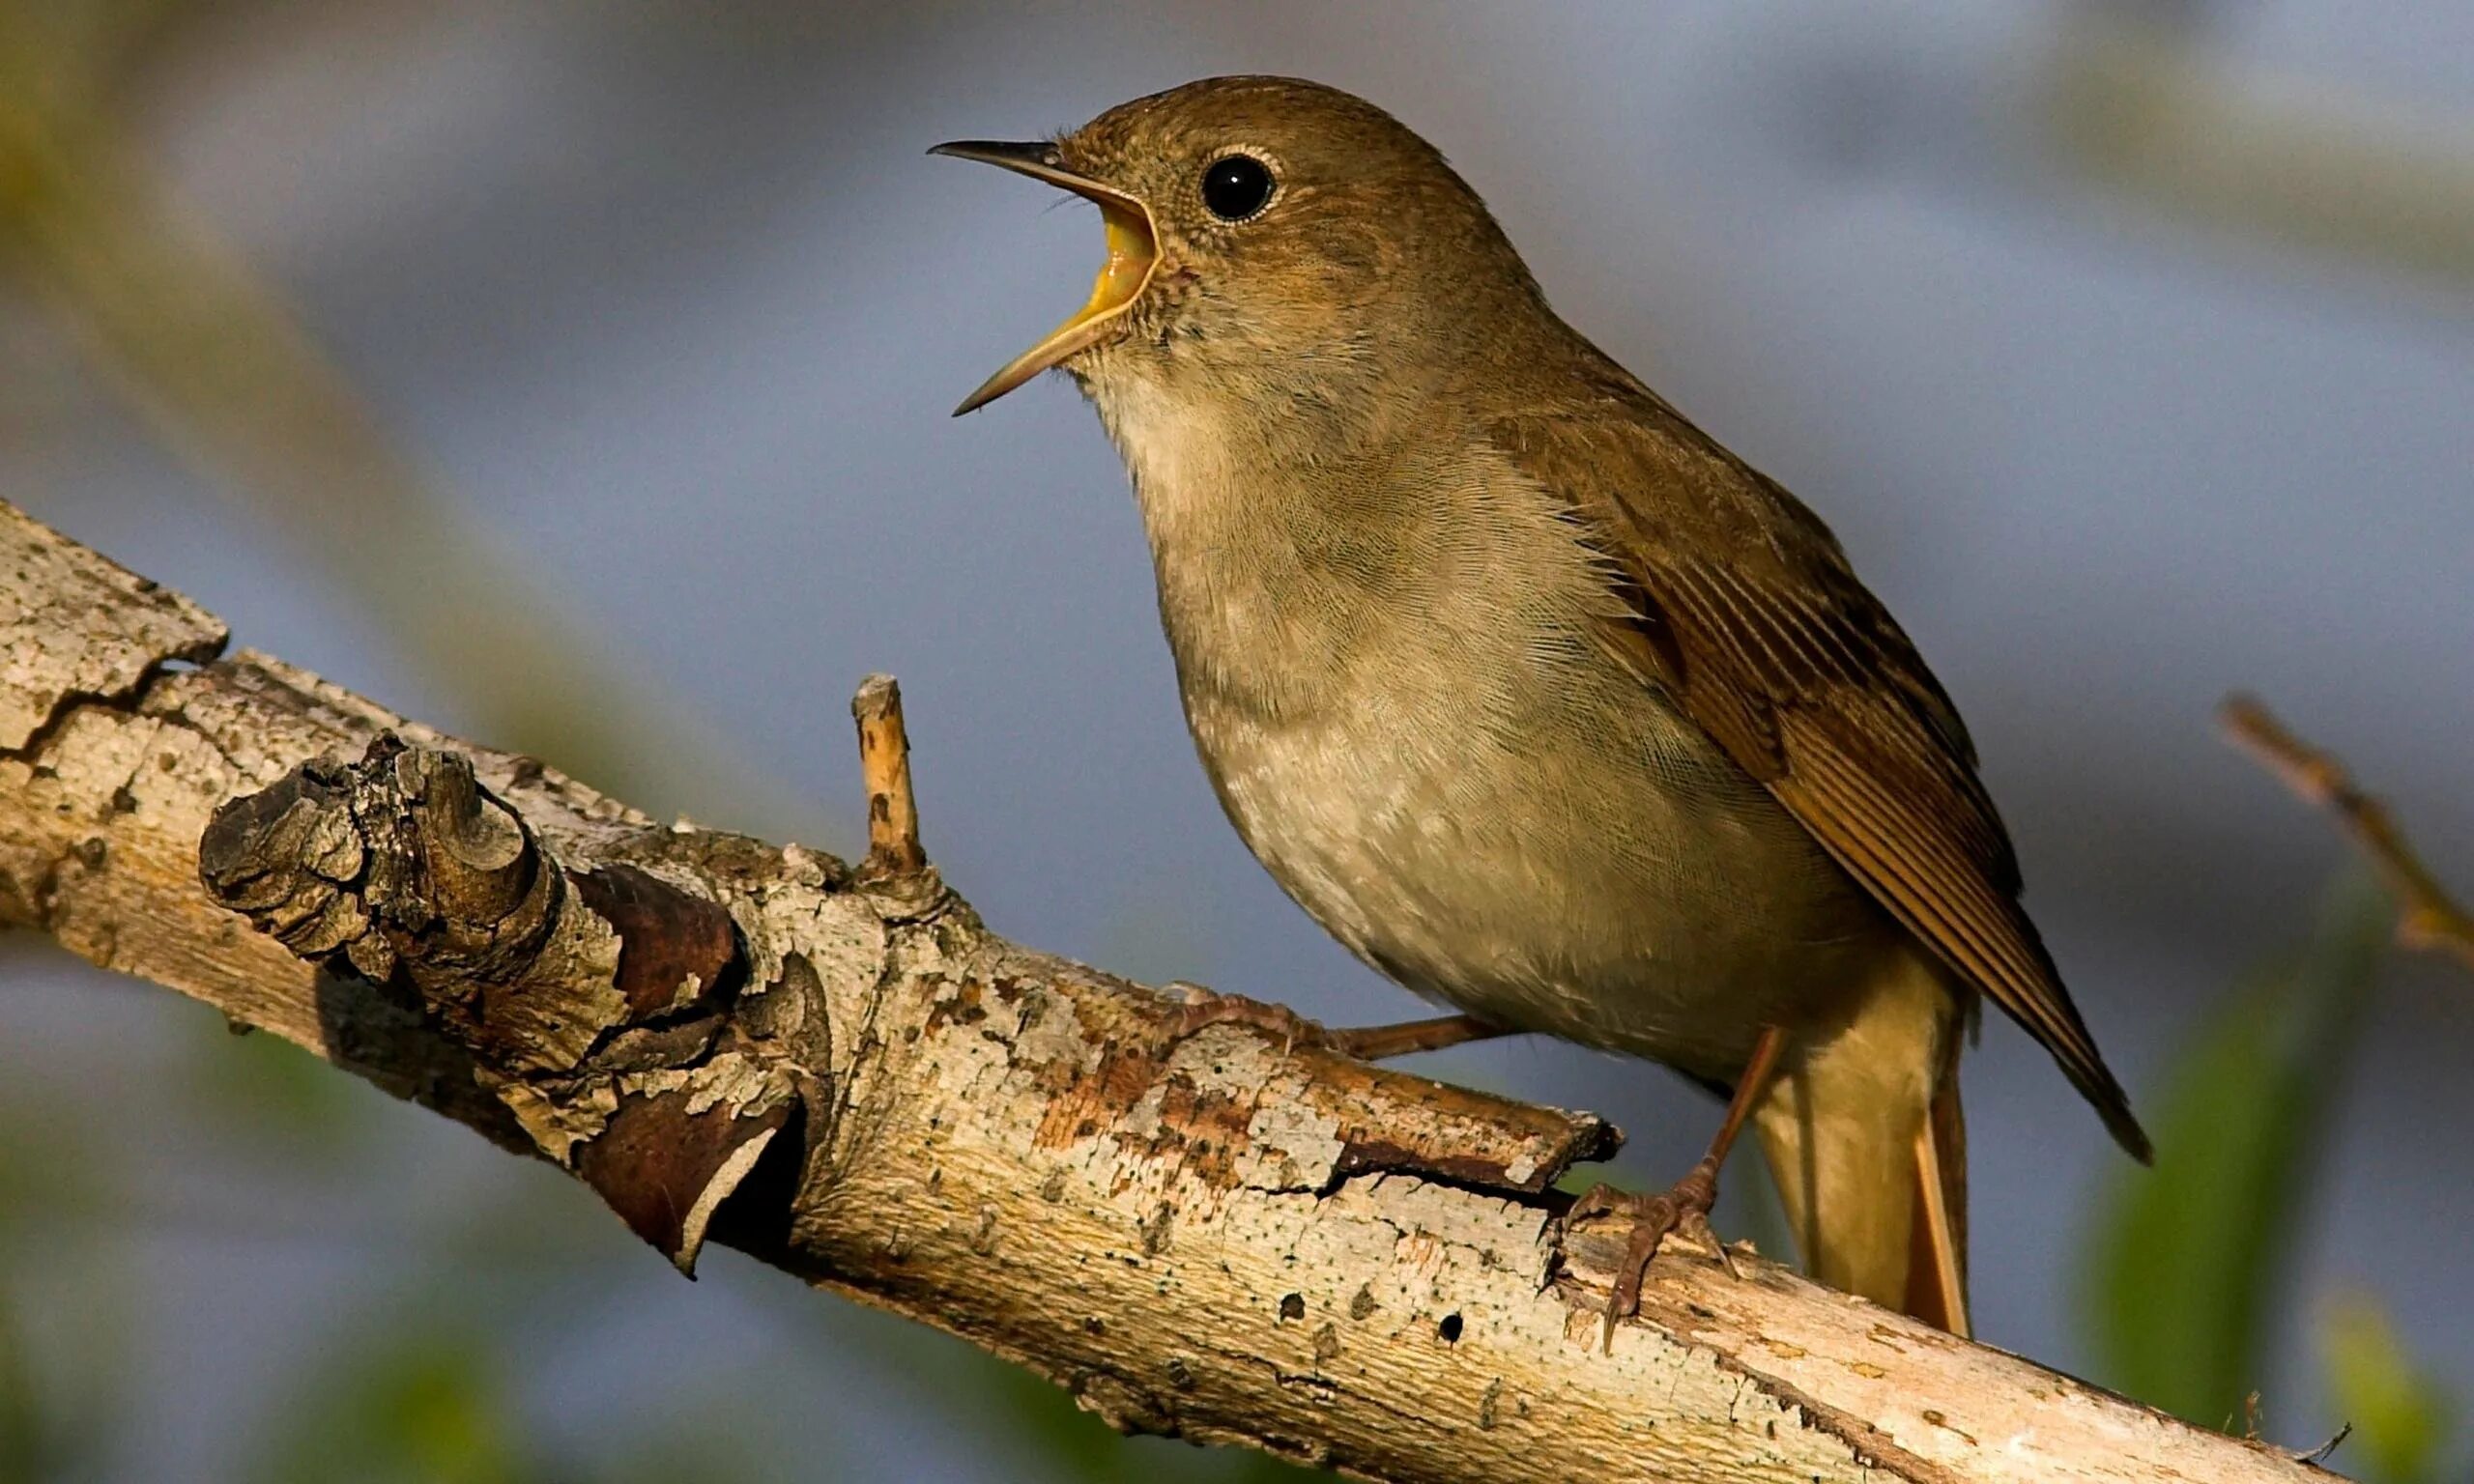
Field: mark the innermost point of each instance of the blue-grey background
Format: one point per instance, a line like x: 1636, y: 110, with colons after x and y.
x: 664, y: 305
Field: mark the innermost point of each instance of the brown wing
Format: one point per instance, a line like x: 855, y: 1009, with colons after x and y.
x: 1746, y: 609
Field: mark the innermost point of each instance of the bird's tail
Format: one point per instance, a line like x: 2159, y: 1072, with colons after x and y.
x: 1936, y: 1249
x: 1865, y: 1136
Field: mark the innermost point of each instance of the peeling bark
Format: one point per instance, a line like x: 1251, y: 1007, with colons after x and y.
x: 844, y: 1074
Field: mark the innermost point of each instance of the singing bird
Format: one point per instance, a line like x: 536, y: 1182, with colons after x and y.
x: 1544, y: 702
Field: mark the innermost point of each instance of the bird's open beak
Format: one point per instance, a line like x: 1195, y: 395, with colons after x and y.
x: 1134, y: 246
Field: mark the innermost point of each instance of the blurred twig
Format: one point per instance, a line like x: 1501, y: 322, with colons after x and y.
x: 2136, y: 103
x: 221, y: 368
x: 2428, y: 918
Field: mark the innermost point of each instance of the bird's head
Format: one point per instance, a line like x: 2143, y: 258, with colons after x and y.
x: 1268, y: 233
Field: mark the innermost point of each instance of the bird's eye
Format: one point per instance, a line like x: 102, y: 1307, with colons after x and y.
x: 1236, y: 186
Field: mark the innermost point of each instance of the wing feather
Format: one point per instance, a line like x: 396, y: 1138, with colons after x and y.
x: 1748, y: 612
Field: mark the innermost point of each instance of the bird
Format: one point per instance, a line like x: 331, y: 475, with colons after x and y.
x: 1539, y: 699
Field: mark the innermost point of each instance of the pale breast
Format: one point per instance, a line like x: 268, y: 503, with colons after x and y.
x: 1404, y: 717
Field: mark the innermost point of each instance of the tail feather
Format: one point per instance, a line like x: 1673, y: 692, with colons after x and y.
x: 1864, y: 1134
x: 1937, y: 1260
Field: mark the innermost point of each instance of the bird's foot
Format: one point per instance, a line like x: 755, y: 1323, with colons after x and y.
x: 1684, y: 1206
x: 1204, y: 1008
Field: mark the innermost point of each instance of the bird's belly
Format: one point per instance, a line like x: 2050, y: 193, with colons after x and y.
x: 1621, y: 885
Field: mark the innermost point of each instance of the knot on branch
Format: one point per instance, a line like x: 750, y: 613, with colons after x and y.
x: 597, y: 1004
x: 400, y: 858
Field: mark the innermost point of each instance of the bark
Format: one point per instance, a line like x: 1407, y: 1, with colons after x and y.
x: 842, y: 1072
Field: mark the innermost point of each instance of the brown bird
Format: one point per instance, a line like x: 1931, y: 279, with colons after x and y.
x: 1540, y: 700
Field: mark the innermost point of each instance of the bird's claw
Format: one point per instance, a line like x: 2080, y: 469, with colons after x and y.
x: 1683, y: 1206
x: 1696, y: 1227
x: 1204, y: 1008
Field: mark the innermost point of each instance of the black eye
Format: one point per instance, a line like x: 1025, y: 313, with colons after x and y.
x: 1235, y: 186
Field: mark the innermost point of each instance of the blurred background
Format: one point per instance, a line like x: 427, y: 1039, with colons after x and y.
x: 575, y: 375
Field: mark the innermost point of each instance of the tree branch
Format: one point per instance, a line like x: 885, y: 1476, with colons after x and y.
x: 2427, y: 916
x: 845, y: 1074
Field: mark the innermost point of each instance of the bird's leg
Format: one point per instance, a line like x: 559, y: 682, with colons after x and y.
x: 1204, y: 1008
x: 1382, y: 1043
x: 1687, y: 1203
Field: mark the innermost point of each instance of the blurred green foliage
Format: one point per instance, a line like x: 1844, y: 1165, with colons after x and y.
x: 406, y: 1405
x: 63, y: 1307
x: 2186, y: 1263
x: 2400, y: 1418
x: 24, y: 1451
x: 2187, y: 1260
x: 268, y: 1092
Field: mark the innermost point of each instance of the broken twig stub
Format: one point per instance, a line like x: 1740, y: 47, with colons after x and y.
x: 884, y: 762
